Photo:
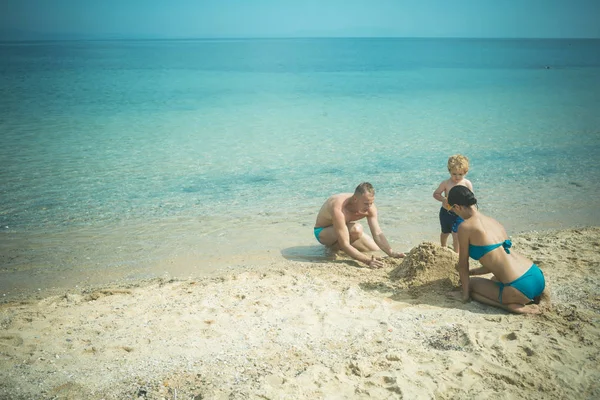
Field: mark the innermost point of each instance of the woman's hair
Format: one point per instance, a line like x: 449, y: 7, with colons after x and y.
x: 462, y: 196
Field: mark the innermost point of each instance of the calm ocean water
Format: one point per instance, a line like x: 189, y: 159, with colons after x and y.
x: 118, y: 156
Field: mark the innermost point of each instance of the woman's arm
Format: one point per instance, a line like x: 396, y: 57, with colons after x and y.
x: 463, y: 261
x: 479, y: 271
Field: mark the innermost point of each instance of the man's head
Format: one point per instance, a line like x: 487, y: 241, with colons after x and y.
x: 364, y: 197
x: 364, y: 188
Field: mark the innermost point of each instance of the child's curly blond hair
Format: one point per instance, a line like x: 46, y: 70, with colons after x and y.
x: 458, y: 162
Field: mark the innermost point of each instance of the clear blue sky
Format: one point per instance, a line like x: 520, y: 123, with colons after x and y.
x: 52, y: 19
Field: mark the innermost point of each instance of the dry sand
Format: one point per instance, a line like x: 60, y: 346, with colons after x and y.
x: 309, y: 330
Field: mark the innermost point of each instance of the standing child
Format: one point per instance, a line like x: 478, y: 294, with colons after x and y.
x: 458, y: 166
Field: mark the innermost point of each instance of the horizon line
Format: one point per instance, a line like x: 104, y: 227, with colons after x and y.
x: 226, y: 38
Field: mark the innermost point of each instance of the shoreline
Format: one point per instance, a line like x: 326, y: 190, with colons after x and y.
x: 312, y: 330
x: 207, y: 259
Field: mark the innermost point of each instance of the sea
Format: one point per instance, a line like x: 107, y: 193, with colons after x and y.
x: 135, y: 159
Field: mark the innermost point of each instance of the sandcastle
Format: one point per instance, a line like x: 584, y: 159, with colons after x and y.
x: 427, y: 264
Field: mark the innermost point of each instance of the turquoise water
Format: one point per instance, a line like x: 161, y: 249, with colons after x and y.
x: 120, y: 155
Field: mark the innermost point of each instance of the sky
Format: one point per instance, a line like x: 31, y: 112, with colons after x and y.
x: 97, y: 19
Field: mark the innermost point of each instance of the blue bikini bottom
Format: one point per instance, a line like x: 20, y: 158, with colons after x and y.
x: 531, y: 283
x: 317, y: 232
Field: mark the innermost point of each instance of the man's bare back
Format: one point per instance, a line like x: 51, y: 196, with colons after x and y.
x: 336, y: 202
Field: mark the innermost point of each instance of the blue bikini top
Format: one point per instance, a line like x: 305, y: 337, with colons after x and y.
x: 476, y: 252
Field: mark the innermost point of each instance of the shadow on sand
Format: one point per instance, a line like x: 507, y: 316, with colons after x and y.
x: 437, y: 293
x: 309, y: 253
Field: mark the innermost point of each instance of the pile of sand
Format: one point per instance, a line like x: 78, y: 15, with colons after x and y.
x: 428, y: 265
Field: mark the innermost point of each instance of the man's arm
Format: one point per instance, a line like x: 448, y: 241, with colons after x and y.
x: 378, y: 235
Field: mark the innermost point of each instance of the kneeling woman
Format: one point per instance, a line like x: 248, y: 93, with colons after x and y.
x: 518, y: 281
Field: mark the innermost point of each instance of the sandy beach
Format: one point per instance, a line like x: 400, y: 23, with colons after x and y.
x: 316, y: 329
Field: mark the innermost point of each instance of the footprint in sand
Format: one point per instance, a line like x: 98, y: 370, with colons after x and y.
x: 450, y: 338
x: 11, y: 340
x: 528, y: 351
